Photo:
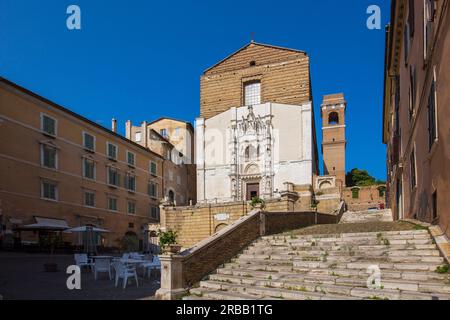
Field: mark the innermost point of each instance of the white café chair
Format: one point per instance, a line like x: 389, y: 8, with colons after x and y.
x: 154, y: 264
x: 102, y: 265
x: 124, y: 271
x: 82, y: 260
x: 125, y: 256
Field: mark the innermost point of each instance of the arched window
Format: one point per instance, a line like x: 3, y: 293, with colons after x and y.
x: 333, y: 118
x: 171, y: 196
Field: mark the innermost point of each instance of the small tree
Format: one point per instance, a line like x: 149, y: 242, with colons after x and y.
x: 257, y: 202
x: 167, y: 238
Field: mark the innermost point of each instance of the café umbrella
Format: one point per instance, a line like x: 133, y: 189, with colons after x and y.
x: 89, y: 233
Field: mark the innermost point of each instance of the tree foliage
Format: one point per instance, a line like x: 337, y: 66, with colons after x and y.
x: 357, y: 177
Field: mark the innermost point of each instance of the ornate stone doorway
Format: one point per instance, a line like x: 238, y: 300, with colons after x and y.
x: 252, y: 191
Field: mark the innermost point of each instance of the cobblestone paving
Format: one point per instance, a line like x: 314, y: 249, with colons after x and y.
x: 22, y: 277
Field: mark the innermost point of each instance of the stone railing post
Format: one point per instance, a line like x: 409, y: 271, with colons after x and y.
x: 171, y: 278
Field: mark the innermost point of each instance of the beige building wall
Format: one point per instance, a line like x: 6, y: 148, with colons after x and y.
x: 22, y: 172
x: 418, y: 140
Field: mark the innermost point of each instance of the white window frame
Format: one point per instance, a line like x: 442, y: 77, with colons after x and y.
x: 56, y: 190
x: 156, y: 168
x: 107, y: 177
x: 127, y: 184
x: 134, y: 158
x: 42, y: 115
x: 136, y: 135
x: 107, y: 203
x: 107, y: 150
x: 84, y: 198
x: 248, y: 84
x: 150, y: 183
x: 42, y: 157
x: 128, y: 207
x: 83, y: 167
x: 84, y: 140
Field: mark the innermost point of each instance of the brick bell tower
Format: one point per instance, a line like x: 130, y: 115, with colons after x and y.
x: 333, y: 136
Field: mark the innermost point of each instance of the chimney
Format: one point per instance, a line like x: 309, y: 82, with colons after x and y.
x: 114, y: 125
x: 144, y: 134
x: 128, y: 129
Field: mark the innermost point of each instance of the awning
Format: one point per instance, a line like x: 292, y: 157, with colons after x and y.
x: 47, y: 224
x: 15, y: 221
x: 86, y: 229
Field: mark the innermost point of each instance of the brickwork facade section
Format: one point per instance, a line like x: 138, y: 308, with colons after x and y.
x: 364, y: 198
x: 283, y: 73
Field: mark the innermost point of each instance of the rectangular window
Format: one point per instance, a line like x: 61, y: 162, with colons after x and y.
x: 252, y: 93
x: 48, y: 125
x: 432, y: 128
x: 428, y: 18
x: 412, y: 91
x: 178, y: 180
x: 88, y: 168
x: 153, y: 168
x: 413, y: 168
x: 131, y: 207
x: 355, y: 193
x: 154, y: 212
x: 49, y: 157
x: 111, y: 151
x: 112, y: 204
x: 407, y: 41
x: 177, y: 132
x: 113, y: 176
x: 89, y: 199
x: 130, y: 182
x: 434, y: 204
x: 88, y: 141
x: 163, y: 132
x: 131, y: 158
x: 49, y: 190
x: 152, y: 189
x: 137, y: 137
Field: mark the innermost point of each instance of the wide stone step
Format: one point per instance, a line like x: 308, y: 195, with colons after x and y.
x: 335, y: 242
x: 300, y: 261
x: 342, y: 258
x: 309, y: 281
x: 319, y: 292
x: 342, y: 252
x: 340, y: 273
x: 205, y: 293
x: 348, y: 235
x: 269, y: 292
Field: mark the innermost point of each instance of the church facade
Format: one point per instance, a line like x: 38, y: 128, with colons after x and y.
x: 256, y: 129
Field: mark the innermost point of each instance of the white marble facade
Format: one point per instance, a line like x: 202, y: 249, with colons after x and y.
x: 250, y: 151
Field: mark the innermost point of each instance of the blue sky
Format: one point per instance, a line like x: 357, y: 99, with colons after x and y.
x: 141, y: 59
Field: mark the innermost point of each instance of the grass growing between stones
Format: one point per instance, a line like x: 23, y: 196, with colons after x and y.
x: 442, y: 269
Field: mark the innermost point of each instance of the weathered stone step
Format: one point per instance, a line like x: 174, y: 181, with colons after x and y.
x: 270, y: 292
x: 335, y: 242
x: 318, y: 292
x: 342, y: 258
x: 343, y: 273
x: 205, y: 293
x: 348, y: 235
x: 298, y: 260
x: 343, y: 247
x: 342, y: 252
x: 309, y: 281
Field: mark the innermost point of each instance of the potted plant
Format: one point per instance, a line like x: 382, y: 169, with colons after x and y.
x: 257, y: 203
x: 168, y: 241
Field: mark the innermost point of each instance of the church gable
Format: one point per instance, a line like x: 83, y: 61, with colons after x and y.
x: 254, y: 54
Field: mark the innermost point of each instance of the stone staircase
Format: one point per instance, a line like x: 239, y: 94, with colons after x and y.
x: 332, y: 266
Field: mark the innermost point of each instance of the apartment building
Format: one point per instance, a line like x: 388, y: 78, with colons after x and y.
x: 173, y: 140
x: 61, y: 168
x: 416, y: 111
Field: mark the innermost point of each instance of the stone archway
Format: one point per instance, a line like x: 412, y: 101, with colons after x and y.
x: 220, y: 227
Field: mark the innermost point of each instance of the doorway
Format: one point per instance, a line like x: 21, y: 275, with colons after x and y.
x: 252, y: 191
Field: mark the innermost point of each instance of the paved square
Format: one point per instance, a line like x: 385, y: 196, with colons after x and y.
x: 22, y: 276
